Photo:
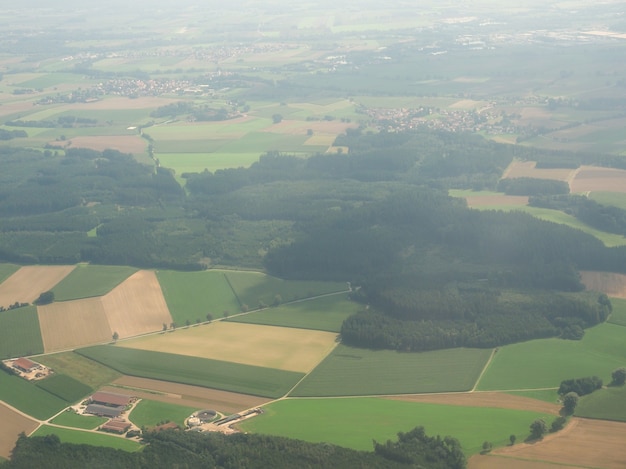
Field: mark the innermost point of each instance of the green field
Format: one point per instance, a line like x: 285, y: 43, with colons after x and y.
x: 324, y: 314
x: 355, y: 422
x: 91, y: 373
x: 546, y: 395
x: 91, y: 280
x: 6, y: 270
x: 28, y: 398
x: 616, y: 199
x: 74, y: 420
x: 152, y: 413
x: 19, y: 332
x: 198, y: 162
x: 351, y: 371
x: 79, y: 437
x: 253, y: 288
x: 65, y: 387
x: 544, y: 363
x: 246, y: 379
x: 191, y: 295
x: 606, y: 404
x: 618, y: 315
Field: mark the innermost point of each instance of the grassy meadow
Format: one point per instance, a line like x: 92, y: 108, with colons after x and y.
x: 193, y: 295
x: 544, y: 363
x: 605, y: 404
x: 82, y: 369
x: 245, y: 379
x: 324, y: 314
x: 152, y: 413
x: 6, y: 270
x: 355, y: 422
x: 74, y: 420
x: 79, y: 437
x: 349, y: 371
x: 65, y: 387
x: 29, y: 398
x: 253, y: 288
x: 618, y: 315
x: 19, y: 332
x: 88, y: 280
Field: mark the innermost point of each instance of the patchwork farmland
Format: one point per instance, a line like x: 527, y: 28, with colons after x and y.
x: 28, y: 282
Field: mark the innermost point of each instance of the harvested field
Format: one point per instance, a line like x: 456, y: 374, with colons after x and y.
x: 607, y: 282
x: 590, y: 179
x: 184, y: 394
x: 71, y: 324
x: 495, y: 200
x: 527, y: 169
x: 267, y: 346
x: 136, y: 306
x: 12, y: 425
x: 494, y: 461
x: 27, y: 283
x: 122, y: 143
x: 484, y: 399
x: 583, y: 443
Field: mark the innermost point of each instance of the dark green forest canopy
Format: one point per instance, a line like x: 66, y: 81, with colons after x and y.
x: 168, y: 449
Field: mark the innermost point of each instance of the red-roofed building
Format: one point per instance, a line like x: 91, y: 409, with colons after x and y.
x: 116, y: 426
x: 24, y: 364
x: 110, y: 399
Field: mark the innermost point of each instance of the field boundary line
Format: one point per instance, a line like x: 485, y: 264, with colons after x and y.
x: 493, y: 352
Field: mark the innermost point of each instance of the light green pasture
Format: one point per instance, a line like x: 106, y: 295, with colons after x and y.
x: 80, y: 437
x: 324, y: 314
x: 74, y: 420
x: 544, y: 363
x: 152, y: 413
x: 198, y: 162
x: 91, y: 280
x: 355, y: 422
x: 350, y: 371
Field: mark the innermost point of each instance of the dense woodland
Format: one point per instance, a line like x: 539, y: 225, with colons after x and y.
x: 432, y: 273
x: 169, y: 449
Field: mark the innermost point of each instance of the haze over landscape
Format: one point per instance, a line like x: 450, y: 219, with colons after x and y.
x: 313, y: 234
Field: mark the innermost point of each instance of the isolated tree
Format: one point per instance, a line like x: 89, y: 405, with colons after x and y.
x: 197, y: 321
x: 618, y: 376
x: 115, y: 336
x: 558, y: 424
x: 570, y: 400
x: 538, y: 428
x: 209, y: 317
x: 45, y: 298
x: 512, y: 439
x: 277, y: 118
x: 173, y: 325
x: 164, y: 327
x: 188, y: 323
x: 487, y: 446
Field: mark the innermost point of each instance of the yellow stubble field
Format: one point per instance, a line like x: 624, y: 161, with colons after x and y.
x: 267, y: 346
x: 28, y: 282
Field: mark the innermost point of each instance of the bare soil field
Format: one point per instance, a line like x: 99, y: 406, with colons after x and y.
x: 591, y: 178
x: 29, y: 282
x: 483, y: 399
x: 12, y: 425
x: 520, y: 169
x: 583, y: 443
x: 268, y: 346
x: 136, y: 306
x: 607, y: 282
x: 495, y: 200
x: 72, y: 324
x: 183, y: 394
x: 123, y: 143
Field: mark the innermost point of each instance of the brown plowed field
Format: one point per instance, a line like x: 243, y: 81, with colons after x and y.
x: 12, y: 425
x: 519, y: 169
x: 583, y: 443
x: 72, y: 324
x: 183, y: 394
x: 607, y: 282
x: 136, y: 306
x: 27, y: 283
x: 484, y: 399
x: 590, y: 178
